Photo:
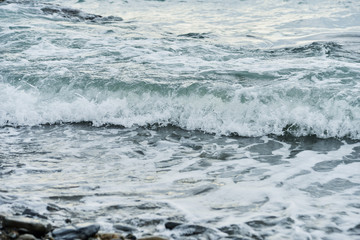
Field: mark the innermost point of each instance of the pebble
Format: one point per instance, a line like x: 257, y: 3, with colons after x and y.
x: 79, y: 231
x: 130, y: 237
x: 53, y: 208
x: 172, y: 225
x: 26, y: 237
x: 109, y: 236
x: 31, y: 213
x: 32, y: 226
x: 13, y: 234
x: 124, y: 228
x: 68, y: 232
x: 23, y: 228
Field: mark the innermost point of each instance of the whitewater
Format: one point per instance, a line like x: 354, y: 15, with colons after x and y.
x: 239, y: 116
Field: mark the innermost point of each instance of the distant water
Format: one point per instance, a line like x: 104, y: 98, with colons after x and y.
x: 239, y: 116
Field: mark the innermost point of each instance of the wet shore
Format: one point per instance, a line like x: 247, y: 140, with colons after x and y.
x: 25, y: 228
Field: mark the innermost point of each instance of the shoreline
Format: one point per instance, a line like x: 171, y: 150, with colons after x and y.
x: 24, y: 228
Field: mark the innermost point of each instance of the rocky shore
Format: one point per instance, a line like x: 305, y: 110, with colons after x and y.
x: 32, y: 228
x: 24, y: 228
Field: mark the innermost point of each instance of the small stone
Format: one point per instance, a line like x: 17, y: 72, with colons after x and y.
x: 26, y: 237
x: 33, y: 226
x: 13, y: 234
x: 109, y: 236
x: 124, y: 228
x: 68, y: 232
x: 171, y: 225
x: 31, y: 213
x: 48, y: 237
x: 79, y: 231
x: 88, y: 229
x: 53, y: 208
x: 130, y: 237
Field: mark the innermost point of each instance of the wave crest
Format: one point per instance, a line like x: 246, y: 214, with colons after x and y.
x: 247, y: 113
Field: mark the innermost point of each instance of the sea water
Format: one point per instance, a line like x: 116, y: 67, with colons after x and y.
x: 242, y: 117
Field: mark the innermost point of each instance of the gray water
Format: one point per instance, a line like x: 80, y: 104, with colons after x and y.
x: 238, y: 116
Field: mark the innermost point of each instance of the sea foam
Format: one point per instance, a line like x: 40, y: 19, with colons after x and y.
x: 248, y: 112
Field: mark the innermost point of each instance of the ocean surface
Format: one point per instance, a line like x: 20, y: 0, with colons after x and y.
x: 239, y: 116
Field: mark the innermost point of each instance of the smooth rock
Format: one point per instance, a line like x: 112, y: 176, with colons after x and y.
x: 109, y: 236
x: 31, y: 213
x: 53, y: 208
x: 130, y: 237
x: 33, y: 226
x: 13, y: 234
x: 68, y: 232
x: 79, y: 231
x: 172, y: 225
x: 88, y: 229
x: 26, y: 237
x: 124, y: 228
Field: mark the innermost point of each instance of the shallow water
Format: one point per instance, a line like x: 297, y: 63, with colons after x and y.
x: 267, y: 187
x: 238, y: 116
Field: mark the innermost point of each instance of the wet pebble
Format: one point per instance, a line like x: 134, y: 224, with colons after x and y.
x: 68, y: 232
x: 22, y: 228
x: 124, y: 228
x: 171, y: 225
x: 109, y: 236
x: 30, y: 225
x: 130, y: 237
x: 26, y: 237
x: 31, y: 213
x: 13, y: 234
x: 53, y: 208
x: 79, y: 231
x: 186, y: 229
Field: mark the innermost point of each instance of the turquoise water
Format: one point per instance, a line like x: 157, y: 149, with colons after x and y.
x: 251, y: 69
x: 215, y: 113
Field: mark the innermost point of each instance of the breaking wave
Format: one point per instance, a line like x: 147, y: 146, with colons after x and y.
x: 245, y: 111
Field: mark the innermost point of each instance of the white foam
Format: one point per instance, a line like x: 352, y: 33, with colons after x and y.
x: 259, y: 115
